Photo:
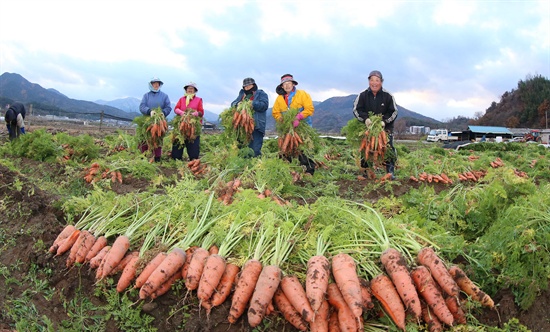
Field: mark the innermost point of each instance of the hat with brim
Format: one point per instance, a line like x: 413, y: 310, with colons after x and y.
x: 287, y: 78
x: 156, y: 79
x: 194, y: 85
x: 377, y: 74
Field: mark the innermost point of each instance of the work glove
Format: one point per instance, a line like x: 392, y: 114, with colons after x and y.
x: 383, y: 125
x: 195, y: 113
x: 297, y: 119
x: 368, y: 122
x: 153, y: 113
x: 22, y: 130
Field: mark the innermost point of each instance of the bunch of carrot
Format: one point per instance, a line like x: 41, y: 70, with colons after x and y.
x: 243, y: 120
x: 226, y: 191
x: 92, y: 174
x: 437, y: 178
x: 289, y: 143
x: 473, y: 176
x: 197, y: 168
x: 157, y: 127
x: 188, y: 125
x: 374, y: 142
x: 497, y: 163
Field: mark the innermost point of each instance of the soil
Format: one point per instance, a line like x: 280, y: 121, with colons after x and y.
x: 29, y: 215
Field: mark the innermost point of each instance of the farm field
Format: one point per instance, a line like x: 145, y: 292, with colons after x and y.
x: 491, y: 218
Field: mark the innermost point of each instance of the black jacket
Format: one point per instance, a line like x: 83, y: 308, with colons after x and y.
x: 14, y: 110
x: 383, y: 103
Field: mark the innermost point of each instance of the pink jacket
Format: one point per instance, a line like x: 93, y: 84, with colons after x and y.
x: 195, y: 105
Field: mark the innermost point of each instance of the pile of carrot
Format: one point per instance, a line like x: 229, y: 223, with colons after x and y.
x: 197, y: 168
x: 437, y: 178
x: 68, y: 151
x: 521, y: 174
x: 497, y: 163
x: 289, y: 144
x: 473, y: 176
x: 226, y: 191
x: 94, y: 173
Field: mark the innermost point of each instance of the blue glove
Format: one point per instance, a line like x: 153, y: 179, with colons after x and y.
x: 23, y: 130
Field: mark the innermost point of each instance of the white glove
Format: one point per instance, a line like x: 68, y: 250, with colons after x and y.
x: 153, y: 113
x: 383, y: 124
x: 368, y: 122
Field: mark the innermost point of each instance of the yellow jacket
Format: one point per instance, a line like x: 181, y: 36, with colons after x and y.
x: 300, y: 100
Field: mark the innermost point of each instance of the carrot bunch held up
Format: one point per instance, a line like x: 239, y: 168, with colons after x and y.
x: 294, y: 141
x: 374, y: 141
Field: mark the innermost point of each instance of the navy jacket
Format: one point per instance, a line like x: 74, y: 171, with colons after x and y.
x: 260, y: 103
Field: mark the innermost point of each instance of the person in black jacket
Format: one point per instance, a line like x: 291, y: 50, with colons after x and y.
x: 375, y: 99
x: 260, y: 103
x: 14, y: 117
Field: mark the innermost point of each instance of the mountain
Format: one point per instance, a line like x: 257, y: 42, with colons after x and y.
x: 333, y: 114
x: 131, y: 104
x: 13, y: 87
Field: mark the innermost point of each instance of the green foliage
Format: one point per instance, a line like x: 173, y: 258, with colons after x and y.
x: 81, y: 148
x: 37, y: 145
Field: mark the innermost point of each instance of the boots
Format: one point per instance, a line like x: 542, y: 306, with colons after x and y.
x: 390, y: 168
x: 157, y: 159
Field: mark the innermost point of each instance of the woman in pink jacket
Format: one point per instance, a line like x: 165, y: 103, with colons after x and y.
x: 188, y: 103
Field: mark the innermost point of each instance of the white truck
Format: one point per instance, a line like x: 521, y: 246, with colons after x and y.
x: 438, y: 135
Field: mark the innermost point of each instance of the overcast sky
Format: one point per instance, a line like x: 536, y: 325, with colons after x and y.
x: 441, y: 59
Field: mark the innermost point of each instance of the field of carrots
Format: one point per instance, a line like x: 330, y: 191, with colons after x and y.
x: 96, y: 237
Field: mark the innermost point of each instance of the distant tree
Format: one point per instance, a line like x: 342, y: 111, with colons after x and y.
x: 512, y: 122
x: 543, y: 111
x: 400, y: 126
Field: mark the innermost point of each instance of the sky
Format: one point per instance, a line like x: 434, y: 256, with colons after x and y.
x: 442, y: 59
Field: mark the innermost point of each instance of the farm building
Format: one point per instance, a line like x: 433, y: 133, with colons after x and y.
x: 476, y: 133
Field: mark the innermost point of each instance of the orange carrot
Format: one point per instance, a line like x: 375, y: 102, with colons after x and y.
x: 75, y: 247
x: 115, y: 255
x: 211, y: 276
x: 267, y: 284
x: 196, y: 266
x: 225, y: 285
x: 396, y: 267
x: 291, y: 315
x: 85, y: 247
x: 65, y: 233
x: 165, y: 287
x: 384, y: 290
x: 318, y: 274
x: 434, y: 325
x: 244, y: 289
x: 123, y: 262
x: 67, y: 243
x: 468, y: 287
x: 455, y: 309
x: 213, y: 249
x: 99, y: 244
x: 320, y: 324
x: 97, y: 259
x: 366, y: 294
x: 345, y: 276
x: 296, y: 294
x: 149, y: 268
x: 333, y: 325
x: 128, y: 274
x: 428, y: 289
x: 167, y: 268
x: 427, y: 257
x: 189, y: 252
x: 346, y: 319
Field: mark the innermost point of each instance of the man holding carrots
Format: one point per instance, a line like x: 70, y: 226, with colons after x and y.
x: 260, y: 103
x: 289, y: 97
x: 376, y: 100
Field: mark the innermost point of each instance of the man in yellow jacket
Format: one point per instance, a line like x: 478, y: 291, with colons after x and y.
x: 289, y: 97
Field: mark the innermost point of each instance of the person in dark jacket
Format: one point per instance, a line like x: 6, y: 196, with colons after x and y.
x: 150, y: 101
x: 260, y: 103
x: 14, y: 117
x: 375, y: 99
